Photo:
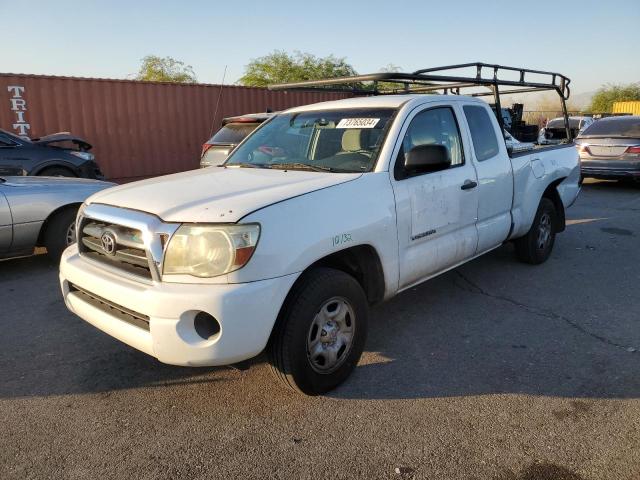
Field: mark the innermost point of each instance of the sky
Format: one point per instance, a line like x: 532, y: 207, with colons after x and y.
x: 592, y: 42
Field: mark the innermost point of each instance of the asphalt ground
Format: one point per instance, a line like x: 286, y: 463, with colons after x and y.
x: 497, y: 370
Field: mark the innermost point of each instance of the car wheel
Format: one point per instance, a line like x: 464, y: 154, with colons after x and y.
x: 56, y: 172
x: 320, y: 334
x: 60, y: 233
x: 536, y: 246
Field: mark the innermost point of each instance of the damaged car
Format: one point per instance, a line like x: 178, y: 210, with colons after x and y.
x: 56, y: 155
x: 555, y: 133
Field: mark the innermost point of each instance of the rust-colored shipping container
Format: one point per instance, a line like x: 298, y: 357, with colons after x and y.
x: 137, y: 129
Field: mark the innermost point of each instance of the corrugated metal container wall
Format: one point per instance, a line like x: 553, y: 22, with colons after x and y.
x: 627, y: 107
x: 137, y: 129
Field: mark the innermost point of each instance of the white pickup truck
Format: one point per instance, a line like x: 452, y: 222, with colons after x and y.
x: 321, y: 212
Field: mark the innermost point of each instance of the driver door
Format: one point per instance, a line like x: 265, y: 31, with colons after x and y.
x: 436, y: 211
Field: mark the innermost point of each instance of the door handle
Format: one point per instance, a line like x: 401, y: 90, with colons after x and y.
x: 468, y: 185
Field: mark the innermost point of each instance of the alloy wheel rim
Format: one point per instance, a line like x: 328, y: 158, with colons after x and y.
x: 331, y: 335
x: 70, y: 236
x: 544, y: 231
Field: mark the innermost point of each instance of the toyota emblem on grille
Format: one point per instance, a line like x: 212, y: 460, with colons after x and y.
x: 108, y: 241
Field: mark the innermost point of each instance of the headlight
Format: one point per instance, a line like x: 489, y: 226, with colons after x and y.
x: 210, y: 250
x: 82, y: 155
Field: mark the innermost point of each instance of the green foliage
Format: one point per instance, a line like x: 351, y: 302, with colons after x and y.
x: 165, y: 69
x: 602, y: 101
x: 390, y: 86
x: 281, y: 67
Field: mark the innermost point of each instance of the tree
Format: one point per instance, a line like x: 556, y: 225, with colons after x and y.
x: 390, y: 86
x: 281, y: 67
x: 602, y: 101
x: 165, y: 69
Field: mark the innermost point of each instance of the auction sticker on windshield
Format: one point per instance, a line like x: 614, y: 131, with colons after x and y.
x: 357, y: 123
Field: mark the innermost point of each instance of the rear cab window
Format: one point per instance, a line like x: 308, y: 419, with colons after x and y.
x: 483, y: 135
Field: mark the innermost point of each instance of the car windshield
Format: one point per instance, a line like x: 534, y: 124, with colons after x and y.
x: 234, y: 133
x: 614, y: 127
x: 346, y: 140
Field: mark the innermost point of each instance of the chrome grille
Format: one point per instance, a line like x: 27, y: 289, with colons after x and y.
x: 135, y: 244
x: 128, y: 251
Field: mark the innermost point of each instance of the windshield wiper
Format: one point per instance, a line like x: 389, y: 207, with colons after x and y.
x: 246, y: 165
x: 300, y: 166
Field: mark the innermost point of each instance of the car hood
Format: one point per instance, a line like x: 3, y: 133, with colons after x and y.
x: 63, y: 182
x: 63, y: 137
x: 216, y: 194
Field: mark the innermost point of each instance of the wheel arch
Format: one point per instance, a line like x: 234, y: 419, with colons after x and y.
x: 52, y: 214
x: 551, y: 192
x: 361, y: 262
x: 55, y: 164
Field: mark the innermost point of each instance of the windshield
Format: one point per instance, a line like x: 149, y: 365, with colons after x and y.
x: 614, y: 127
x: 333, y: 140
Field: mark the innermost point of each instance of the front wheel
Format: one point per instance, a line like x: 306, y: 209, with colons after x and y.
x: 60, y: 232
x: 321, y: 332
x: 536, y: 246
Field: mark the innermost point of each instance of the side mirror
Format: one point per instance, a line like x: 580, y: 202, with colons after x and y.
x: 427, y: 158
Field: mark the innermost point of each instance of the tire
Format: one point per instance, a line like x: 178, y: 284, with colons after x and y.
x: 56, y: 172
x: 60, y: 233
x: 536, y: 246
x: 311, y: 332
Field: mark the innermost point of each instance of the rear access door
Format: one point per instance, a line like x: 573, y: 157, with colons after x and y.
x: 495, y: 177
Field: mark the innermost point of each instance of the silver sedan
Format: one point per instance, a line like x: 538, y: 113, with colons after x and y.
x: 41, y: 211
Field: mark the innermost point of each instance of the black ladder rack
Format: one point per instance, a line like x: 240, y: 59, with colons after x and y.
x: 445, y: 79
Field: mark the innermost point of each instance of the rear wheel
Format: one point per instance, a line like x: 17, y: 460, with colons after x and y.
x: 56, y: 172
x: 536, y: 246
x: 321, y: 332
x: 60, y: 233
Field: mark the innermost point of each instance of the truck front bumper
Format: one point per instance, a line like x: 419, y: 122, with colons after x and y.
x: 158, y: 318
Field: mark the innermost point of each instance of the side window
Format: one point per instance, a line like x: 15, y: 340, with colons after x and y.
x: 483, y: 135
x: 436, y: 126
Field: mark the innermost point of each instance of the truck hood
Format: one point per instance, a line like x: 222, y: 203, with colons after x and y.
x: 216, y: 194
